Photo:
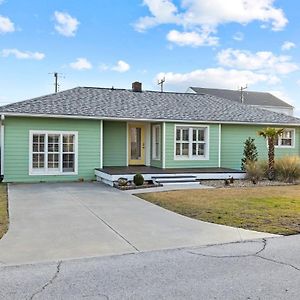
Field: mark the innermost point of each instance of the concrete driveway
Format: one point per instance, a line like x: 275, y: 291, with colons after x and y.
x: 50, y: 222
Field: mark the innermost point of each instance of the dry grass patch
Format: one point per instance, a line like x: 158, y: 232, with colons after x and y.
x: 3, y: 210
x: 273, y: 209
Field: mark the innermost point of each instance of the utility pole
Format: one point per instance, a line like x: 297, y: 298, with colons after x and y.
x: 242, y: 92
x: 56, y: 84
x: 161, y: 83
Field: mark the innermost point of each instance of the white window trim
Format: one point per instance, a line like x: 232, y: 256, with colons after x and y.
x: 191, y: 157
x: 45, y: 171
x: 154, y: 127
x: 293, y: 140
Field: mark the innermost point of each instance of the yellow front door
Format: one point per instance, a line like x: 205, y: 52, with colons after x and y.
x: 136, y: 144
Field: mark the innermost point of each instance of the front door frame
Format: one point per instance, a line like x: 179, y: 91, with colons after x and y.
x: 142, y: 161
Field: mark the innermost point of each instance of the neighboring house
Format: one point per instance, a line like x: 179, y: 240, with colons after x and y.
x: 256, y: 99
x: 66, y: 136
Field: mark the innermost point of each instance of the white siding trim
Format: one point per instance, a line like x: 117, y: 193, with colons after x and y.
x: 220, y: 145
x: 2, y: 144
x: 164, y: 145
x: 101, y: 144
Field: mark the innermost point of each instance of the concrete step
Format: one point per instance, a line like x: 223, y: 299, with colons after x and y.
x: 177, y: 179
x: 188, y: 183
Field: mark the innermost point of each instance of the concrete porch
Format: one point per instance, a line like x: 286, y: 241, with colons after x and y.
x: 109, y: 175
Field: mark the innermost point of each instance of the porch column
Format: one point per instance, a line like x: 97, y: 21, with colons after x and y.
x: 163, y: 148
x: 101, y: 144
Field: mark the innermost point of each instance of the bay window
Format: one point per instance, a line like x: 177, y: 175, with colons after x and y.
x: 53, y: 153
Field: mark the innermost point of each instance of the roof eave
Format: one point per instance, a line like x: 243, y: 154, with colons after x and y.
x: 143, y: 119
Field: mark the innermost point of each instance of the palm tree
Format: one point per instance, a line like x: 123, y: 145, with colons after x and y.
x: 271, y: 134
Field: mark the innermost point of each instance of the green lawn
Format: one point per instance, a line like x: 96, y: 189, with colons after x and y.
x: 273, y: 209
x: 3, y: 210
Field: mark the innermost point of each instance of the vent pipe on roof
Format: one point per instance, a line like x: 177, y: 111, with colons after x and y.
x: 136, y: 86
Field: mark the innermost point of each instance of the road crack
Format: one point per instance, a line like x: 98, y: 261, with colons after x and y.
x: 256, y: 254
x: 49, y: 282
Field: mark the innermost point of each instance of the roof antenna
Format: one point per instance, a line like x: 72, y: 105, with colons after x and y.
x: 242, y: 92
x: 161, y: 83
x: 56, y: 84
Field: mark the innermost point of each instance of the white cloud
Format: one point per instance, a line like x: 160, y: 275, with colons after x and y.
x: 238, y: 36
x: 66, y: 25
x: 121, y: 66
x: 6, y: 25
x: 192, y: 38
x: 216, y: 77
x: 204, y: 16
x: 22, y: 54
x: 81, y: 63
x: 162, y: 11
x: 287, y: 46
x: 263, y: 61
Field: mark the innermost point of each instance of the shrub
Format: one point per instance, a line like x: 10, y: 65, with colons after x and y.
x: 254, y: 171
x: 138, y: 179
x: 250, y: 152
x: 287, y: 168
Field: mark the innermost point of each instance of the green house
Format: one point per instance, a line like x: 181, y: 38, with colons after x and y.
x: 87, y: 133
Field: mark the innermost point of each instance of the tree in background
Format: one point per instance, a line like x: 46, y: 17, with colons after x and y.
x: 271, y: 135
x: 250, y: 152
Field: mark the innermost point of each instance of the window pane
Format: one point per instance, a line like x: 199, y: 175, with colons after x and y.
x: 68, y: 162
x: 177, y: 149
x: 185, y: 149
x: 178, y: 134
x: 201, y: 149
x: 136, y: 143
x: 38, y: 161
x: 276, y: 142
x: 286, y: 142
x: 201, y: 135
x: 35, y: 147
x: 287, y: 134
x: 194, y: 149
x: 53, y: 161
x: 185, y: 134
x: 194, y: 135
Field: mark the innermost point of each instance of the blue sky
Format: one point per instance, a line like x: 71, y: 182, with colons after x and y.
x: 216, y: 43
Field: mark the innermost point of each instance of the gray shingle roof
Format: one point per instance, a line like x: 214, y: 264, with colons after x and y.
x: 120, y: 103
x: 251, y: 98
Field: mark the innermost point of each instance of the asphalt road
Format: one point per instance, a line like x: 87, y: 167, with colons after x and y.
x: 261, y: 269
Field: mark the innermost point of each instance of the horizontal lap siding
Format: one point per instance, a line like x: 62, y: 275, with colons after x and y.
x: 213, y: 149
x: 16, y: 166
x: 114, y: 144
x: 234, y: 136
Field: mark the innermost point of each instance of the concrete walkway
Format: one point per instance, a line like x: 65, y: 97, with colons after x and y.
x: 50, y: 222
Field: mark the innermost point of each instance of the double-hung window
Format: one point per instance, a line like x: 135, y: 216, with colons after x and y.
x: 286, y: 139
x: 191, y: 142
x: 53, y: 153
x: 156, y: 142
